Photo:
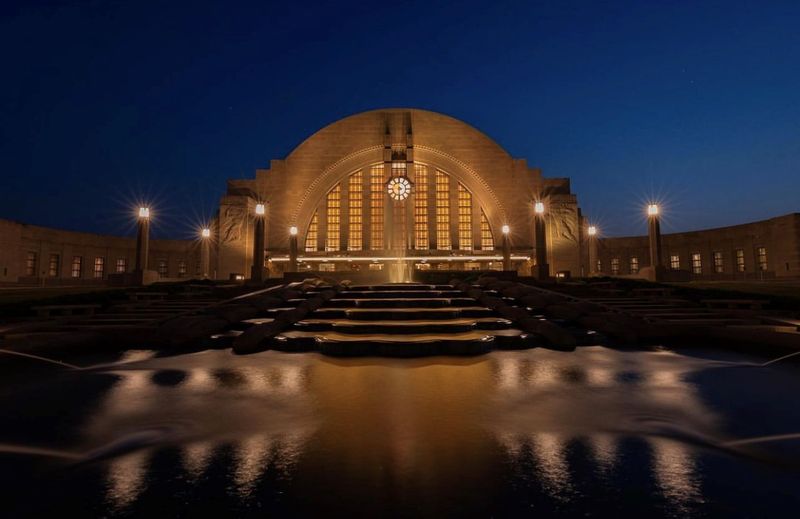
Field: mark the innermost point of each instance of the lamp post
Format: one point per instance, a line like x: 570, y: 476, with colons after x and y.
x: 205, y: 251
x: 542, y: 269
x: 506, y: 248
x: 142, y: 239
x: 257, y: 271
x: 654, y: 233
x: 592, y: 232
x: 292, y: 249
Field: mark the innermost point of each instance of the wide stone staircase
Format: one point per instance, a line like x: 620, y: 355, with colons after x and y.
x: 400, y: 320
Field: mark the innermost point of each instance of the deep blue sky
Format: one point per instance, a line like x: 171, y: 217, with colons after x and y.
x: 696, y: 103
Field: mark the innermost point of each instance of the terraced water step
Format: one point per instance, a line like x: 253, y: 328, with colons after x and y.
x: 402, y: 313
x: 376, y: 294
x: 412, y: 326
x: 402, y: 345
x: 401, y: 302
x: 399, y: 286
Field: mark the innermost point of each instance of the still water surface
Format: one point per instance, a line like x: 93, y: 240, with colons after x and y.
x: 595, y: 432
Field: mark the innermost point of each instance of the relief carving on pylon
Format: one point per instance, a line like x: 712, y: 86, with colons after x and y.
x: 564, y: 221
x: 232, y: 224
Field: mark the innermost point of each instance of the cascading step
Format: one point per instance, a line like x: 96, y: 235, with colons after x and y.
x: 400, y: 302
x: 380, y: 314
x: 416, y: 326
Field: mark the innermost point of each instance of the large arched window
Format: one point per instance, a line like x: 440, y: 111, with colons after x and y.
x: 440, y: 212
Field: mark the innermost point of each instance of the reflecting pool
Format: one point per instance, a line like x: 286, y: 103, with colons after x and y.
x: 595, y: 432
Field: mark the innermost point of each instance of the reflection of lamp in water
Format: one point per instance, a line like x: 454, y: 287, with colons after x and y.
x: 506, y: 248
x: 293, y: 249
x: 542, y: 269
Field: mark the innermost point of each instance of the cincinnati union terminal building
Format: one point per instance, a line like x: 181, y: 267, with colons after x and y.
x: 399, y: 189
x: 397, y: 185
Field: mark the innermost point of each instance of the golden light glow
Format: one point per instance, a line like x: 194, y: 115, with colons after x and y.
x: 144, y: 212
x: 538, y: 207
x: 652, y: 209
x: 293, y: 231
x: 592, y: 230
x: 206, y: 233
x: 506, y: 229
x: 260, y: 209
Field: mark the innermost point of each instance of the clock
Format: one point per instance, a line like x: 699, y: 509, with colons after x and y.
x: 399, y: 188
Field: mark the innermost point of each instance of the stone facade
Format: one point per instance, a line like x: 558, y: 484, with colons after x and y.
x: 35, y: 255
x: 332, y: 190
x: 713, y: 253
x: 296, y: 188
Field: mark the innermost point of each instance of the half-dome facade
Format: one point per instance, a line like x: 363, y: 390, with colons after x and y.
x: 397, y: 185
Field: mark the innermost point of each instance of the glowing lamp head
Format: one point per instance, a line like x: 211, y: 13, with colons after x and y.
x: 260, y: 209
x: 206, y: 233
x: 506, y: 229
x: 652, y: 210
x: 293, y: 231
x: 592, y: 230
x: 538, y: 207
x: 144, y: 212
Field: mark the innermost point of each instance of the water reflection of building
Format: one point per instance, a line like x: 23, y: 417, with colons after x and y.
x: 259, y: 414
x: 546, y: 403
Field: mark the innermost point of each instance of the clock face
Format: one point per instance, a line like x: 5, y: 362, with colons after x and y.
x: 399, y: 188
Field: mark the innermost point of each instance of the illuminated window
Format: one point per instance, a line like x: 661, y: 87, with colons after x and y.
x: 675, y: 262
x: 122, y: 265
x: 472, y: 265
x: 376, y: 197
x: 762, y: 258
x: 599, y: 266
x: 614, y: 266
x: 77, y: 262
x: 326, y: 267
x: 355, y: 237
x: 181, y: 268
x: 99, y: 267
x: 311, y: 235
x: 376, y: 266
x: 634, y: 264
x: 464, y: 219
x: 421, y: 208
x: 719, y: 267
x: 52, y: 267
x: 422, y: 266
x: 163, y: 269
x: 334, y: 206
x: 487, y: 239
x: 442, y: 211
x: 740, y: 260
x: 697, y: 263
x: 30, y: 264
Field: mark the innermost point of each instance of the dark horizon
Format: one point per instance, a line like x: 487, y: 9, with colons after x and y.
x: 693, y: 105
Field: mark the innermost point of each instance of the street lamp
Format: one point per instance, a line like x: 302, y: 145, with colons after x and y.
x: 542, y: 269
x: 293, y: 248
x: 142, y: 239
x: 506, y: 248
x: 205, y: 251
x: 257, y: 271
x: 593, y: 252
x: 654, y: 235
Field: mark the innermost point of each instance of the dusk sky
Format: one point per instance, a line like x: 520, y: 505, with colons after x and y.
x: 696, y: 104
